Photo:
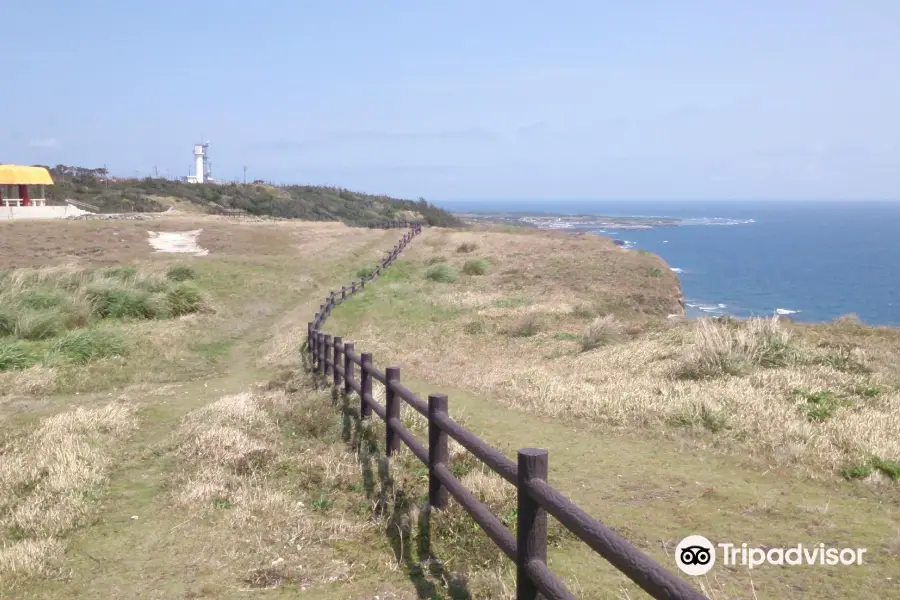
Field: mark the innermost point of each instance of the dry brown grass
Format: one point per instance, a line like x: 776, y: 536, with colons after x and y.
x: 752, y: 387
x: 239, y: 464
x: 49, y: 480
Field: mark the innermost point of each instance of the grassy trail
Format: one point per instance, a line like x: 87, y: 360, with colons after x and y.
x: 139, y: 547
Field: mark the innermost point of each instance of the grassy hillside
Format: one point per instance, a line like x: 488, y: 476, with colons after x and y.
x: 315, y: 203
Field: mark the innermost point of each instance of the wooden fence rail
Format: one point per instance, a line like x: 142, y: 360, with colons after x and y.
x: 536, y: 498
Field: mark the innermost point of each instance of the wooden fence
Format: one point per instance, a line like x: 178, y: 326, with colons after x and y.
x: 337, y: 361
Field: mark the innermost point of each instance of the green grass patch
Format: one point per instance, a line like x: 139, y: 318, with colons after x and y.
x: 35, y: 326
x: 565, y: 336
x: 17, y: 355
x: 181, y: 273
x: 514, y: 302
x: 184, y: 299
x: 702, y: 415
x: 475, y: 266
x: 441, y: 273
x: 81, y: 347
x: 433, y: 260
x: 888, y: 468
x: 367, y: 272
x: 38, y: 299
x: 820, y: 405
x: 213, y: 350
x: 123, y: 273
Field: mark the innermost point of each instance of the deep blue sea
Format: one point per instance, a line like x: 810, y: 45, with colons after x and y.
x: 812, y: 260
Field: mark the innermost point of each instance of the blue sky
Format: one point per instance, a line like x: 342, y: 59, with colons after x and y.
x: 490, y: 99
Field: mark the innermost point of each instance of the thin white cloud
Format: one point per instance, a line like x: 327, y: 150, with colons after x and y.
x: 45, y: 143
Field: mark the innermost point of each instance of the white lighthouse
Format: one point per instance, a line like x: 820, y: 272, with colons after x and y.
x: 201, y: 164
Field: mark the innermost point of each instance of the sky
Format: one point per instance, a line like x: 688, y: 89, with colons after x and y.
x: 470, y: 99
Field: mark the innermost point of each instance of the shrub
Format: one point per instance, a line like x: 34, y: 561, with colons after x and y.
x: 602, y: 331
x: 115, y: 301
x: 435, y: 260
x: 441, y: 273
x: 16, y: 355
x: 366, y: 273
x: 185, y: 299
x: 474, y: 327
x: 80, y: 347
x: 38, y: 325
x: 475, y: 266
x: 526, y: 326
x: 466, y: 247
x: 733, y: 349
x: 180, y: 273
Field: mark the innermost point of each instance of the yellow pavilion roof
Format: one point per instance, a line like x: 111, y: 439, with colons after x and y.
x: 16, y: 174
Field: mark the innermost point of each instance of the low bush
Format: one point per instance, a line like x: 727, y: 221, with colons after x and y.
x: 602, y: 331
x: 366, y: 273
x: 435, y: 260
x: 17, y: 355
x: 185, y: 299
x: 81, y: 347
x: 180, y: 273
x: 475, y: 266
x: 42, y: 325
x: 734, y: 349
x: 466, y: 247
x: 441, y: 273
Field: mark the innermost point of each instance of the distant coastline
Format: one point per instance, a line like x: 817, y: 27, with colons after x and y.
x: 585, y: 223
x: 742, y: 259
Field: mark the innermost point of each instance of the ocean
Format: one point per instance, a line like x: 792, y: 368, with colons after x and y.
x: 811, y: 260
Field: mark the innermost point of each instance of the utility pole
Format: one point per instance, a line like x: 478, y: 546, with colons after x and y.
x: 155, y: 172
x: 245, y: 174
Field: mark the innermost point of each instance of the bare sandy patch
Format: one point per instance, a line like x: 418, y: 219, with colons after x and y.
x: 185, y: 242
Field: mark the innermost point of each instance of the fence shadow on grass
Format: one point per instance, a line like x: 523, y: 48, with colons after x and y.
x: 392, y: 505
x: 336, y: 362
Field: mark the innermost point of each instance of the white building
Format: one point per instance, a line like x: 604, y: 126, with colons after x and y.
x: 201, y: 165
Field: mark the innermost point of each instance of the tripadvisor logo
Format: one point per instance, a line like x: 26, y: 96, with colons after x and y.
x: 695, y: 555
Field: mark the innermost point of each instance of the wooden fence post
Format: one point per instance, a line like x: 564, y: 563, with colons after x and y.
x: 348, y: 367
x: 438, y: 450
x: 343, y: 292
x: 531, y: 530
x: 338, y: 356
x: 365, y: 384
x: 392, y: 410
x: 314, y: 349
x: 329, y: 350
x: 320, y: 346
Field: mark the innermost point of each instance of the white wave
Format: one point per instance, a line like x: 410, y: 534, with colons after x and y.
x: 709, y: 309
x: 785, y: 311
x: 665, y: 241
x: 676, y: 270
